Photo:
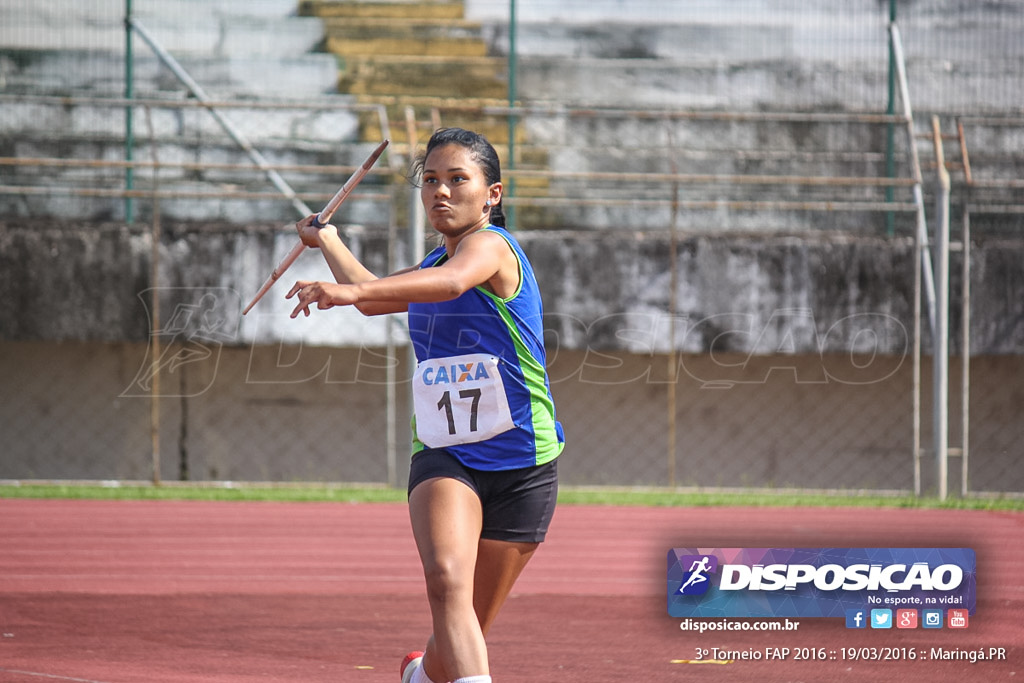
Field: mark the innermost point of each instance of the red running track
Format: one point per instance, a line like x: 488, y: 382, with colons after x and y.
x: 190, y: 592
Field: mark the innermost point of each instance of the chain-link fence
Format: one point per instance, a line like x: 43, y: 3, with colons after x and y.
x: 726, y: 254
x: 965, y: 57
x: 775, y: 361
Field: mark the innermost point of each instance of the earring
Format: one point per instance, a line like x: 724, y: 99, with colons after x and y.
x: 488, y: 203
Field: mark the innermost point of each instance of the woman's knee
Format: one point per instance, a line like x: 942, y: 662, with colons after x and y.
x: 448, y: 578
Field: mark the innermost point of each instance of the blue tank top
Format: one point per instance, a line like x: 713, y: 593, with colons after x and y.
x: 510, y: 334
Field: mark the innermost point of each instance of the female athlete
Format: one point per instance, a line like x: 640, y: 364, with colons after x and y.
x: 483, y: 477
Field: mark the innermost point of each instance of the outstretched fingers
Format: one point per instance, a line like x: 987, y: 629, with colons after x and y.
x: 308, y: 293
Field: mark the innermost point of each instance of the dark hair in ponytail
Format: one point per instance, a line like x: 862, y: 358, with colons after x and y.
x: 482, y: 152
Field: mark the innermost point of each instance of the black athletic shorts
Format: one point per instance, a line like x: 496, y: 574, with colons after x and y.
x: 517, y: 504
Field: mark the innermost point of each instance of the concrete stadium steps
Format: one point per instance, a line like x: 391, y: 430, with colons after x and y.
x: 233, y: 48
x: 186, y: 139
x: 709, y: 152
x: 670, y: 39
x: 412, y: 53
x: 409, y: 52
x: 220, y: 35
x: 260, y: 42
x: 454, y: 113
x: 71, y: 22
x: 423, y: 56
x: 236, y: 36
x: 463, y: 77
x: 408, y: 49
x: 323, y: 128
x: 757, y: 55
x: 733, y: 144
x: 205, y: 9
x: 365, y: 37
x: 753, y: 85
x: 749, y: 86
x: 389, y: 9
x: 645, y: 215
x: 804, y: 161
x: 464, y: 113
x: 91, y: 73
x: 190, y: 195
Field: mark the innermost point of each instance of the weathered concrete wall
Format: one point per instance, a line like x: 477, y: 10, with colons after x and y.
x: 80, y: 410
x: 752, y: 294
x: 794, y: 367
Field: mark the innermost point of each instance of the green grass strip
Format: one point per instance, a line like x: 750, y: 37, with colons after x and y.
x: 769, y: 498
x: 311, y: 493
x: 646, y: 497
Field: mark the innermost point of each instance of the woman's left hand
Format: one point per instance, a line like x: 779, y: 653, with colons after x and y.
x: 324, y: 294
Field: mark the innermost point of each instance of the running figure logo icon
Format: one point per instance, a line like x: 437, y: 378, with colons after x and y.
x: 696, y: 580
x: 192, y: 337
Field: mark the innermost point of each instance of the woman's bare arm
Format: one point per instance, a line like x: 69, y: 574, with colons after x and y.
x: 476, y: 261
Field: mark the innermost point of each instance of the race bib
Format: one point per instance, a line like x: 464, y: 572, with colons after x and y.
x: 459, y: 400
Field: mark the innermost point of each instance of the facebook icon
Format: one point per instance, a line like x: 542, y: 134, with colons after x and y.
x: 856, y: 618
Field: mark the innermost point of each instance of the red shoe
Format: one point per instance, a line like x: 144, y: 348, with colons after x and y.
x: 409, y: 664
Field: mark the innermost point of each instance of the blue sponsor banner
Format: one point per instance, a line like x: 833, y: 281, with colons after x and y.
x: 818, y: 582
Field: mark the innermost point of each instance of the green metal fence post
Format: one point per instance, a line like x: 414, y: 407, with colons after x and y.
x: 129, y: 93
x: 510, y: 162
x: 890, y: 133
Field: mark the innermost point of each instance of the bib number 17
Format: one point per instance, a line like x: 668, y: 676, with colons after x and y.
x: 459, y: 400
x: 446, y: 404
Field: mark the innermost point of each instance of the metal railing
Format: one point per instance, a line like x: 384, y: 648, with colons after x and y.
x: 640, y: 189
x: 184, y: 169
x: 165, y: 174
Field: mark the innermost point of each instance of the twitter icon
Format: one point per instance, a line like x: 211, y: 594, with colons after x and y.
x: 881, y: 618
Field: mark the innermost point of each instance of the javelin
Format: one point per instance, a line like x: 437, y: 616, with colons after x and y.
x: 321, y: 219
